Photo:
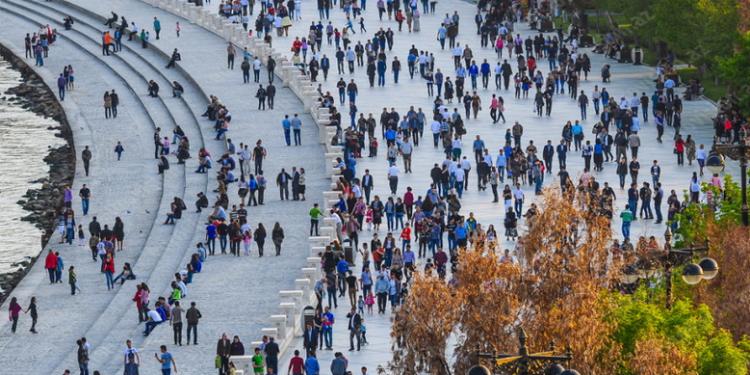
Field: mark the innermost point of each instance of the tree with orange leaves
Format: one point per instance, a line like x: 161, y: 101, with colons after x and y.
x: 556, y: 293
x: 422, y: 325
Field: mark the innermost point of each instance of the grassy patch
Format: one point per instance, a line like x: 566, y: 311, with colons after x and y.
x: 713, y: 88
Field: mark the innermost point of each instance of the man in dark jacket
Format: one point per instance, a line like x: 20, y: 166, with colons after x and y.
x: 223, y: 349
x: 282, y: 181
x: 192, y: 316
x: 547, y: 153
x: 355, y: 328
x: 310, y: 338
x: 272, y: 356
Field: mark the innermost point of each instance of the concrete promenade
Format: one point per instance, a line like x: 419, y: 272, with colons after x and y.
x: 229, y: 276
x: 237, y: 296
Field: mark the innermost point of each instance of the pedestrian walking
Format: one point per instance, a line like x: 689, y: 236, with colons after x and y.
x: 166, y: 360
x: 14, y: 310
x: 192, y: 316
x: 32, y: 311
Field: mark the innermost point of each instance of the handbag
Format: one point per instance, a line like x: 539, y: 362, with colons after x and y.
x: 217, y: 362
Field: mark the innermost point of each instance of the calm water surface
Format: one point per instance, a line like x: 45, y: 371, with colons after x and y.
x: 24, y: 140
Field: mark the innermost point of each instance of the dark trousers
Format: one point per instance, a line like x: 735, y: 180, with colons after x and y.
x: 354, y: 332
x: 194, y: 329
x: 177, y: 328
x: 382, y: 299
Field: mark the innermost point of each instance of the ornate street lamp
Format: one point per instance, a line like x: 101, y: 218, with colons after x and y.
x: 692, y: 274
x: 525, y: 363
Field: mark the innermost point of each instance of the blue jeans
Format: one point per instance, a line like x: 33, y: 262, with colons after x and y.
x: 390, y: 221
x: 150, y: 326
x: 399, y: 221
x: 459, y: 188
x: 220, y: 133
x: 84, y: 367
x: 223, y: 243
x: 433, y: 245
x: 395, y: 76
x: 626, y: 229
x: 85, y: 206
x: 287, y: 137
x: 110, y: 281
x: 381, y: 79
x: 297, y: 137
x: 328, y: 337
x: 518, y: 204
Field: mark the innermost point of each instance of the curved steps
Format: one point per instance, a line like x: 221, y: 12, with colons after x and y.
x: 175, y: 183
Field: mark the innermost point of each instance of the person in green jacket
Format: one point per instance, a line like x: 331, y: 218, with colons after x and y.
x: 315, y: 215
x: 258, y: 362
x: 627, y: 218
x: 176, y: 293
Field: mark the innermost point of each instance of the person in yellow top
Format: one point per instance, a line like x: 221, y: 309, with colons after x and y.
x: 176, y: 293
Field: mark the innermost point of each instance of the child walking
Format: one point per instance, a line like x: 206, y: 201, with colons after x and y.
x: 361, y: 305
x: 370, y: 301
x: 81, y: 236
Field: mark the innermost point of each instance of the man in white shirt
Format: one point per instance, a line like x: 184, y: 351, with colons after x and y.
x: 635, y: 102
x: 458, y: 175
x: 518, y: 203
x: 435, y: 127
x: 130, y: 353
x: 406, y: 149
x: 256, y: 69
x: 624, y: 105
x: 245, y: 157
x: 154, y: 319
x: 393, y: 173
x: 457, y: 52
x: 466, y: 166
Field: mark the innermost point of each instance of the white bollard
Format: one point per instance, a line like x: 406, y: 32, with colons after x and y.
x: 280, y: 322
x: 312, y: 274
x: 243, y: 363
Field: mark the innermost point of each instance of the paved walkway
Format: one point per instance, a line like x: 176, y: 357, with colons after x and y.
x: 236, y: 296
x: 229, y: 275
x: 626, y: 79
x: 129, y: 188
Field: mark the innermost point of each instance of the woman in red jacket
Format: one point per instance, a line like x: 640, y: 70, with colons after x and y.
x: 13, y: 312
x: 109, y: 270
x: 679, y: 149
x: 50, y: 264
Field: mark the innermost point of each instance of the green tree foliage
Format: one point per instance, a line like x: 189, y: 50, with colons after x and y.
x: 698, y: 31
x: 735, y: 71
x: 689, y: 328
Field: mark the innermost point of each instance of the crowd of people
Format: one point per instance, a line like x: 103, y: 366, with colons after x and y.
x: 368, y: 265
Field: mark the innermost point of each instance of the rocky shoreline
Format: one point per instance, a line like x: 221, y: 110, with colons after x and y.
x: 42, y: 203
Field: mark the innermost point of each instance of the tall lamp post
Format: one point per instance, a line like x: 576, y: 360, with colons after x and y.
x: 693, y: 273
x: 739, y: 152
x: 525, y: 363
